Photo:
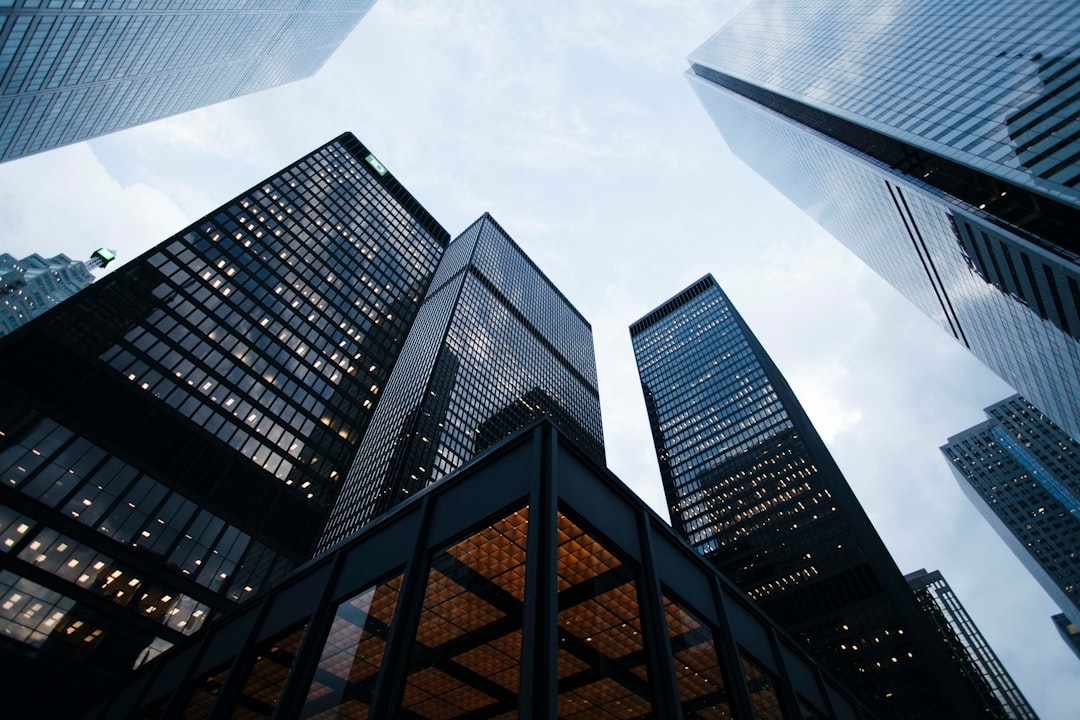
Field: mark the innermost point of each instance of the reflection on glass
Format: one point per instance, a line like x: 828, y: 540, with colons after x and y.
x: 601, y: 666
x: 762, y: 689
x: 697, y: 669
x: 467, y: 653
x: 203, y: 696
x: 350, y: 661
x: 267, y: 678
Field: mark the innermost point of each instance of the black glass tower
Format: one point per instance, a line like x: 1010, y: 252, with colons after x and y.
x: 173, y: 437
x: 1022, y: 472
x: 753, y: 488
x: 967, y: 644
x: 73, y: 70
x: 939, y: 142
x: 495, y: 345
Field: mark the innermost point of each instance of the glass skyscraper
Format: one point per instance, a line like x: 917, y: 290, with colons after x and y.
x: 495, y: 346
x: 30, y: 286
x: 71, y: 70
x: 753, y: 488
x: 939, y: 142
x: 967, y: 643
x: 173, y: 437
x: 1023, y: 474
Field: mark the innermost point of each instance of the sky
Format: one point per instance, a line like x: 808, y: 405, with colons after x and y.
x: 571, y: 123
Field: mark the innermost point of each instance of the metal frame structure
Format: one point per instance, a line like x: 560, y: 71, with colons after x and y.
x: 531, y: 583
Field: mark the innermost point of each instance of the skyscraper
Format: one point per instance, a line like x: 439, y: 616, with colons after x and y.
x: 967, y: 644
x: 1022, y: 472
x: 494, y: 346
x: 172, y: 438
x: 753, y: 488
x: 71, y: 71
x: 30, y: 286
x: 938, y: 142
x: 1069, y: 632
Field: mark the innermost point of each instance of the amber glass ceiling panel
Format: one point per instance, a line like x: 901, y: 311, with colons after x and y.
x: 601, y: 668
x: 203, y: 696
x: 267, y: 678
x: 352, y: 655
x: 466, y: 658
x: 697, y: 669
x: 762, y: 689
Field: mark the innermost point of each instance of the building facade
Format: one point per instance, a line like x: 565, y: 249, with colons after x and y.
x: 76, y: 69
x: 495, y: 346
x: 173, y: 437
x: 967, y: 644
x: 530, y: 584
x: 30, y: 286
x: 939, y: 143
x: 1022, y: 472
x: 753, y: 488
x: 1069, y: 632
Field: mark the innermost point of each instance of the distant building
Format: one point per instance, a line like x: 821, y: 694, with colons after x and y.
x: 172, y: 438
x: 968, y: 645
x: 30, y: 286
x: 495, y: 345
x: 1070, y: 633
x: 753, y: 488
x: 531, y: 583
x: 1022, y: 472
x: 72, y: 73
x: 939, y: 142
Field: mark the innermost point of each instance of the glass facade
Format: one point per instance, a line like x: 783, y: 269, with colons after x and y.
x: 751, y: 486
x: 1023, y: 474
x: 495, y: 346
x: 968, y: 645
x: 71, y: 70
x: 172, y: 438
x: 938, y: 142
x: 533, y: 584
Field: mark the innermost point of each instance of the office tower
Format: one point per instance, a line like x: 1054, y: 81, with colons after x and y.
x: 73, y: 73
x: 531, y: 584
x: 1022, y: 472
x: 967, y: 644
x: 752, y: 487
x: 172, y: 438
x: 936, y: 140
x: 495, y: 345
x: 1069, y: 632
x: 30, y: 286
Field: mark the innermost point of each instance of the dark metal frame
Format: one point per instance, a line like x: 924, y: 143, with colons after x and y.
x: 539, y: 468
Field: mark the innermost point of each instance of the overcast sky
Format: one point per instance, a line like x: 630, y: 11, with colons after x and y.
x: 572, y: 124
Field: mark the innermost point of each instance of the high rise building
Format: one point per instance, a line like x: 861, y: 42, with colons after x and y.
x: 173, y: 437
x: 495, y: 345
x: 753, y: 488
x: 530, y: 584
x: 1022, y: 472
x: 936, y: 140
x: 73, y: 70
x: 30, y: 286
x: 1069, y: 632
x: 968, y: 645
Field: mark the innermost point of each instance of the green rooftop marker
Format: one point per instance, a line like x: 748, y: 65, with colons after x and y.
x: 375, y: 164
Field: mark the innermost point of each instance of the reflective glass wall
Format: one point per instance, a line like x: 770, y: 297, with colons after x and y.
x: 173, y: 437
x: 71, y: 70
x: 494, y: 347
x: 753, y: 488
